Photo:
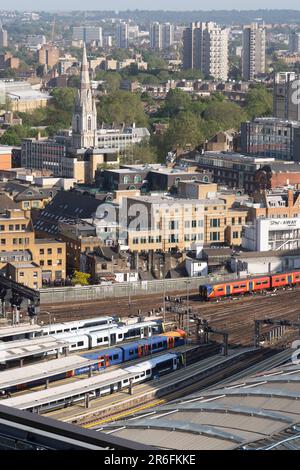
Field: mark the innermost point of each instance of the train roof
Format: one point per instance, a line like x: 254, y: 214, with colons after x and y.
x: 231, y: 281
x: 73, y: 323
x: 150, y: 363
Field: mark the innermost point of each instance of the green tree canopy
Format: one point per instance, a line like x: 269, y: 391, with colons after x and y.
x: 15, y: 134
x: 122, y: 106
x: 227, y: 115
x: 184, y: 130
x: 176, y: 102
x: 259, y: 102
x: 64, y: 98
x: 80, y: 278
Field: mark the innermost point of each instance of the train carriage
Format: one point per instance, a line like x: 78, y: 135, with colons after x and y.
x: 236, y: 287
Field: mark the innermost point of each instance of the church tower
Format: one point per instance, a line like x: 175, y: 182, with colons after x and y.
x: 84, y: 121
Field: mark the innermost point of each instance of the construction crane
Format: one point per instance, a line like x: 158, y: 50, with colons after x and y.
x: 53, y: 29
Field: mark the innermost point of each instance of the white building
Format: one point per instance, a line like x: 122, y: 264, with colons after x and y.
x: 88, y: 34
x: 272, y: 234
x: 35, y: 41
x: 196, y: 267
x: 205, y: 47
x: 265, y: 262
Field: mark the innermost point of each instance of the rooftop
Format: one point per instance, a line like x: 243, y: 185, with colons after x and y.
x: 258, y: 411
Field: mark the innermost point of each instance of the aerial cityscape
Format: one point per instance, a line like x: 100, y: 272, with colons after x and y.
x: 150, y: 230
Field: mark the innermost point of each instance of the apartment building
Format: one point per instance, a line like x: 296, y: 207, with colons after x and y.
x: 254, y: 51
x: 161, y: 35
x: 224, y: 214
x: 122, y: 35
x: 17, y: 236
x: 205, y: 47
x: 88, y: 34
x: 48, y: 55
x: 271, y: 137
x: 3, y: 38
x: 163, y: 223
x: 294, y: 42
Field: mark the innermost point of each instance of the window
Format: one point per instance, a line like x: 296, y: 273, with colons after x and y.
x: 42, y: 251
x: 194, y: 223
x: 2, y: 228
x: 42, y: 262
x: 59, y: 262
x: 59, y: 250
x: 35, y: 274
x: 187, y: 224
x: 10, y: 227
x: 232, y: 220
x: 235, y: 235
x: 49, y: 251
x: 23, y: 227
x: 215, y: 223
x: 3, y: 241
x: 17, y: 227
x: 21, y: 274
x: 49, y: 262
x: 215, y: 236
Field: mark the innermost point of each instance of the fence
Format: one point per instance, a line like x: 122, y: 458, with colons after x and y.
x: 124, y: 289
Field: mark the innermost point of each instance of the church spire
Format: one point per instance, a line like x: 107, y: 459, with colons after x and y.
x: 84, y: 74
x: 84, y: 122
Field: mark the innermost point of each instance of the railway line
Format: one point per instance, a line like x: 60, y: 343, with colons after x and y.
x: 235, y: 315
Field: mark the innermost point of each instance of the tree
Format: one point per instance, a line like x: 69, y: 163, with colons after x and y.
x: 184, y: 130
x: 80, y: 278
x: 177, y: 101
x: 122, y: 106
x: 227, y: 115
x: 64, y: 98
x: 15, y: 134
x: 259, y: 102
x: 140, y: 153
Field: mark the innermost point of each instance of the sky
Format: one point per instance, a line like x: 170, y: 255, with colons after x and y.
x: 149, y: 4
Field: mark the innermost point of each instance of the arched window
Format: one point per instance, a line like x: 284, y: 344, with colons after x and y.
x: 89, y: 123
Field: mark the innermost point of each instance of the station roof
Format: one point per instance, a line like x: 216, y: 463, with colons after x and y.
x: 257, y: 412
x: 18, y: 330
x: 41, y: 370
x: 61, y: 392
x: 14, y: 350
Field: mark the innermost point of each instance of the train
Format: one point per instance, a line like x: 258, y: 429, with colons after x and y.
x: 76, y: 326
x: 116, y: 356
x: 133, y: 350
x: 89, y: 338
x: 107, y: 383
x: 218, y: 290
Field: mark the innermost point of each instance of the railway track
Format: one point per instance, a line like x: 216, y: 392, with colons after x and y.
x: 233, y: 315
x: 212, y: 380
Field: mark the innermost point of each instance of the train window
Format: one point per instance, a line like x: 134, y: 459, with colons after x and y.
x: 125, y: 381
x: 106, y: 338
x: 258, y: 283
x: 160, y: 344
x: 136, y: 351
x: 115, y: 356
x: 148, y: 372
x: 110, y: 358
x: 99, y: 340
x: 136, y: 377
x: 283, y: 279
x: 277, y: 279
x: 243, y: 285
x: 73, y: 345
x: 220, y: 289
x: 59, y: 331
x: 265, y: 282
x: 120, y: 336
x: 131, y: 352
x: 80, y: 343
